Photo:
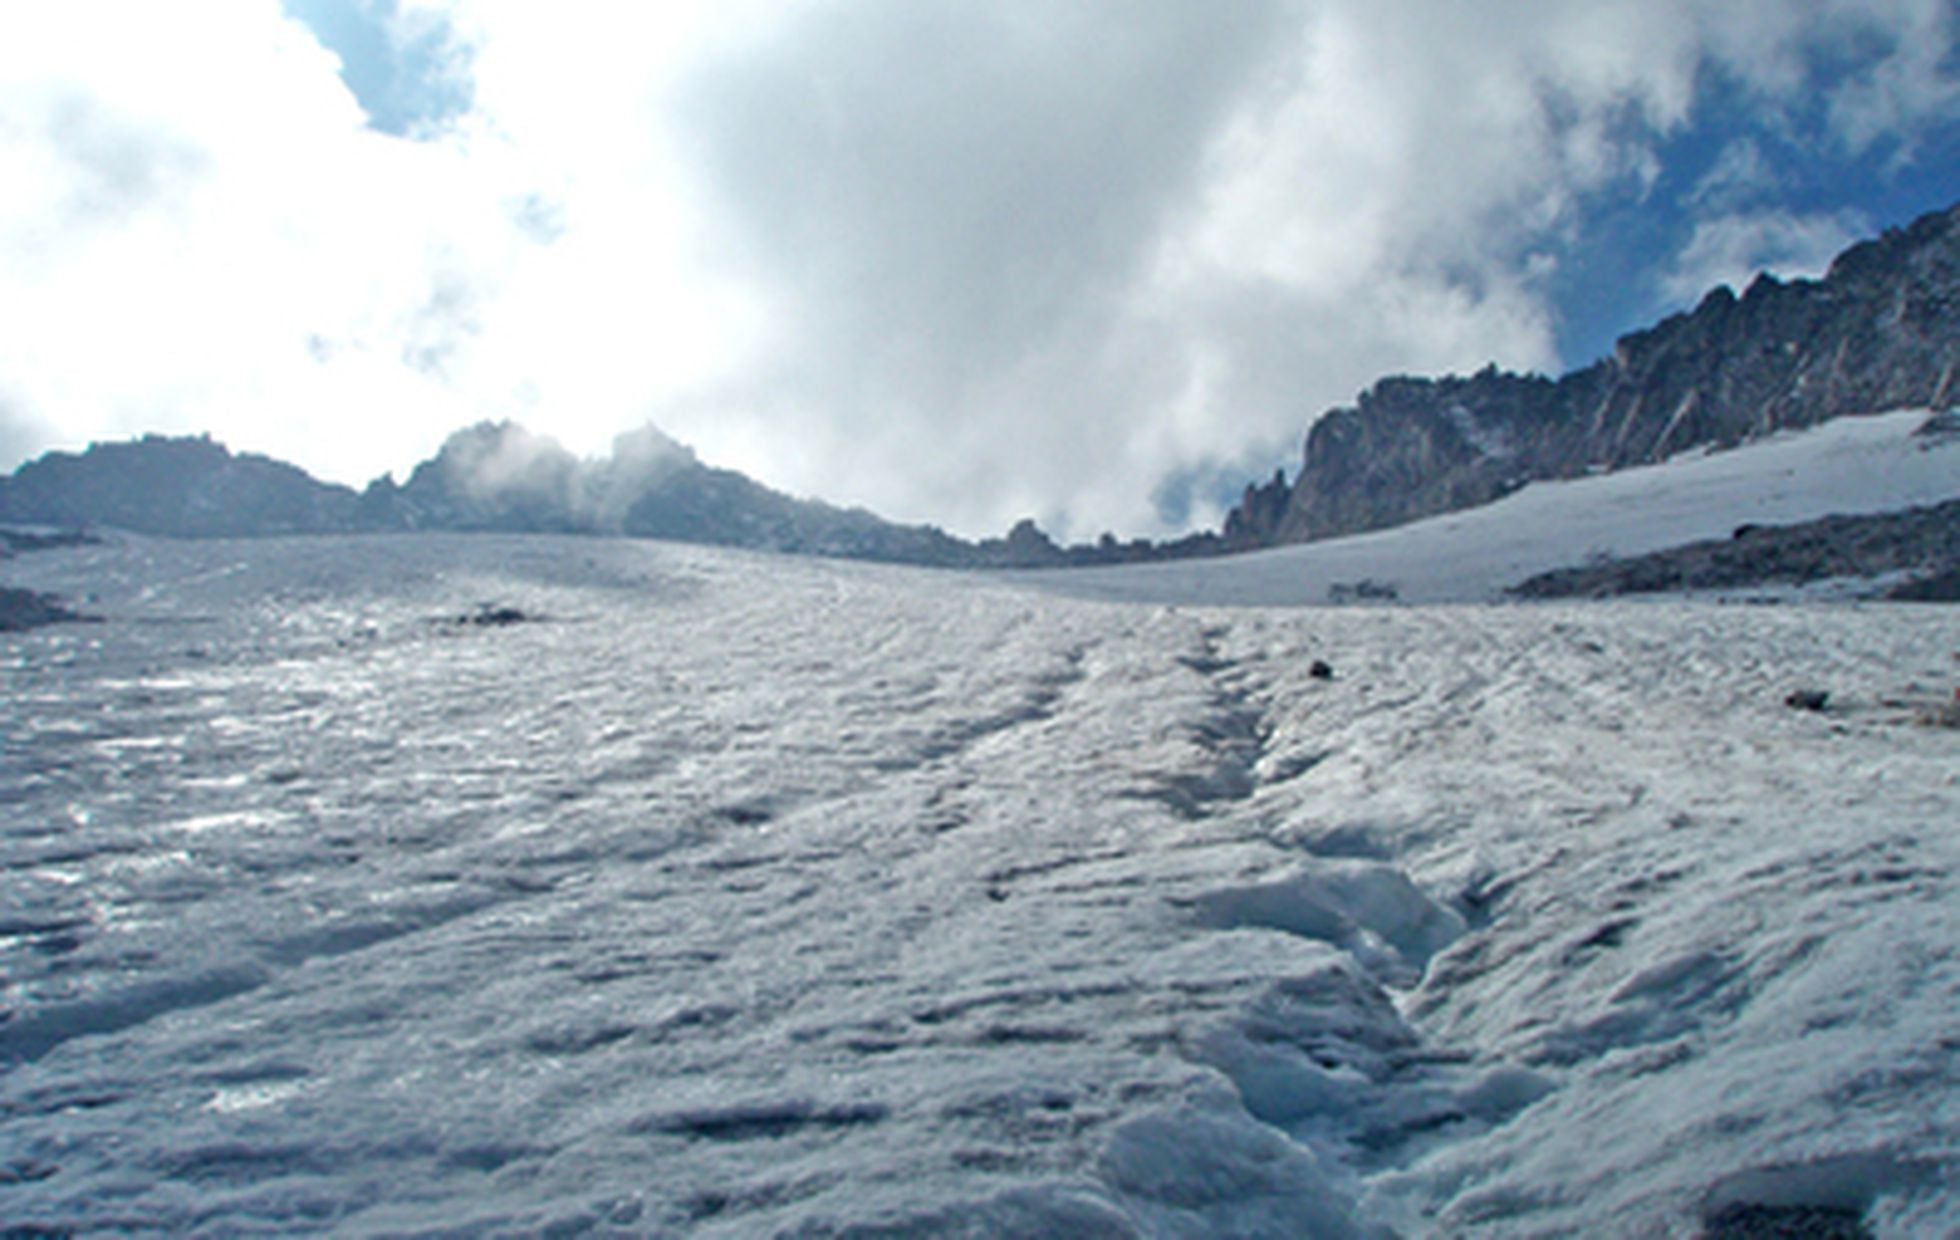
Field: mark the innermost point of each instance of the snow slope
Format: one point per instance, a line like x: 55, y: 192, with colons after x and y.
x: 1849, y: 465
x: 748, y: 896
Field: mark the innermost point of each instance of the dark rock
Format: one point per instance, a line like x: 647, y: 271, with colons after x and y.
x: 499, y: 476
x: 1749, y: 1221
x: 1319, y: 669
x: 494, y: 617
x: 1880, y: 331
x: 19, y: 542
x: 488, y: 477
x: 1807, y: 699
x: 1941, y: 585
x: 21, y: 610
x: 1262, y: 510
x: 1024, y: 547
x: 1367, y: 590
x: 179, y: 487
x: 1922, y: 541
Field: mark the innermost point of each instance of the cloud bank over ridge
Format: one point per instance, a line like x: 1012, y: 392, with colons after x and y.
x: 957, y: 263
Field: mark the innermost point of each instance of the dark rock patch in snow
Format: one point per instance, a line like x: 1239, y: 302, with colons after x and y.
x: 763, y: 1121
x: 1817, y: 1199
x: 1750, y: 1221
x: 1921, y: 542
x: 18, y: 542
x: 21, y: 610
x: 746, y: 814
x: 1366, y: 590
x: 493, y: 616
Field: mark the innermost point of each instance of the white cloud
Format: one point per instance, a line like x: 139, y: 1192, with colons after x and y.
x: 957, y: 262
x: 194, y: 200
x: 1734, y: 249
x: 1912, y: 80
x: 1739, y: 176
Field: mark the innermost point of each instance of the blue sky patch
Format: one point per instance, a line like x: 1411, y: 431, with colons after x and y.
x: 406, y: 80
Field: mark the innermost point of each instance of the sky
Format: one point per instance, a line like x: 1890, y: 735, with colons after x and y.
x: 1099, y: 264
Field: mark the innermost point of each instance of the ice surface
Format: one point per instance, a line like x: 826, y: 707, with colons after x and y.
x: 730, y: 895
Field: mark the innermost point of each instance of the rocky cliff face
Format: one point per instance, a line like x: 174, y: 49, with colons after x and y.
x: 1880, y: 331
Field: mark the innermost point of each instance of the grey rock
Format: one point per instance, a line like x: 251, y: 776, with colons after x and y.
x: 1880, y: 331
x: 1922, y: 542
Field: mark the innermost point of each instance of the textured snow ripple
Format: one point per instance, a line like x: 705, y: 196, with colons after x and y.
x: 741, y: 896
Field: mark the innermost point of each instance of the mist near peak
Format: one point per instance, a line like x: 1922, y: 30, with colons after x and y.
x: 505, y: 466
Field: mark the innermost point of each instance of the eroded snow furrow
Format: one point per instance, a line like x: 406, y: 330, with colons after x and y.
x: 724, y: 895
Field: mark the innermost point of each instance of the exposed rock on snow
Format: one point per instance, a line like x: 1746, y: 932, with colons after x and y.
x: 26, y: 609
x: 1921, y: 542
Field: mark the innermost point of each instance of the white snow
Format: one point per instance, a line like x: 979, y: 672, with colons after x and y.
x: 749, y: 896
x: 1848, y: 465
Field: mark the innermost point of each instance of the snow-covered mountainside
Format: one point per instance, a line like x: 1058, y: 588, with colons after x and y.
x: 1850, y: 465
x: 453, y: 885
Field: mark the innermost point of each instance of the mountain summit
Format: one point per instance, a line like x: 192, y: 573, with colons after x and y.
x: 1880, y: 331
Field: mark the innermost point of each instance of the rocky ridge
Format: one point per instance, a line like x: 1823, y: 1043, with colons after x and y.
x: 488, y: 477
x: 180, y: 487
x: 1880, y: 331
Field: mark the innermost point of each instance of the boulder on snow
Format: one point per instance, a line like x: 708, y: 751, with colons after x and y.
x: 493, y: 616
x: 21, y: 610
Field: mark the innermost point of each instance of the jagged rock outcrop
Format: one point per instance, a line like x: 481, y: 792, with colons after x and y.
x: 182, y: 487
x: 499, y: 476
x: 1261, y: 511
x: 491, y: 476
x: 1880, y: 331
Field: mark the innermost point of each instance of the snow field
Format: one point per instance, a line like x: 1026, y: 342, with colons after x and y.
x: 743, y: 896
x: 1848, y: 465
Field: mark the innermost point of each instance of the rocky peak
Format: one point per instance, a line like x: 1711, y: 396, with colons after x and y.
x: 1880, y: 331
